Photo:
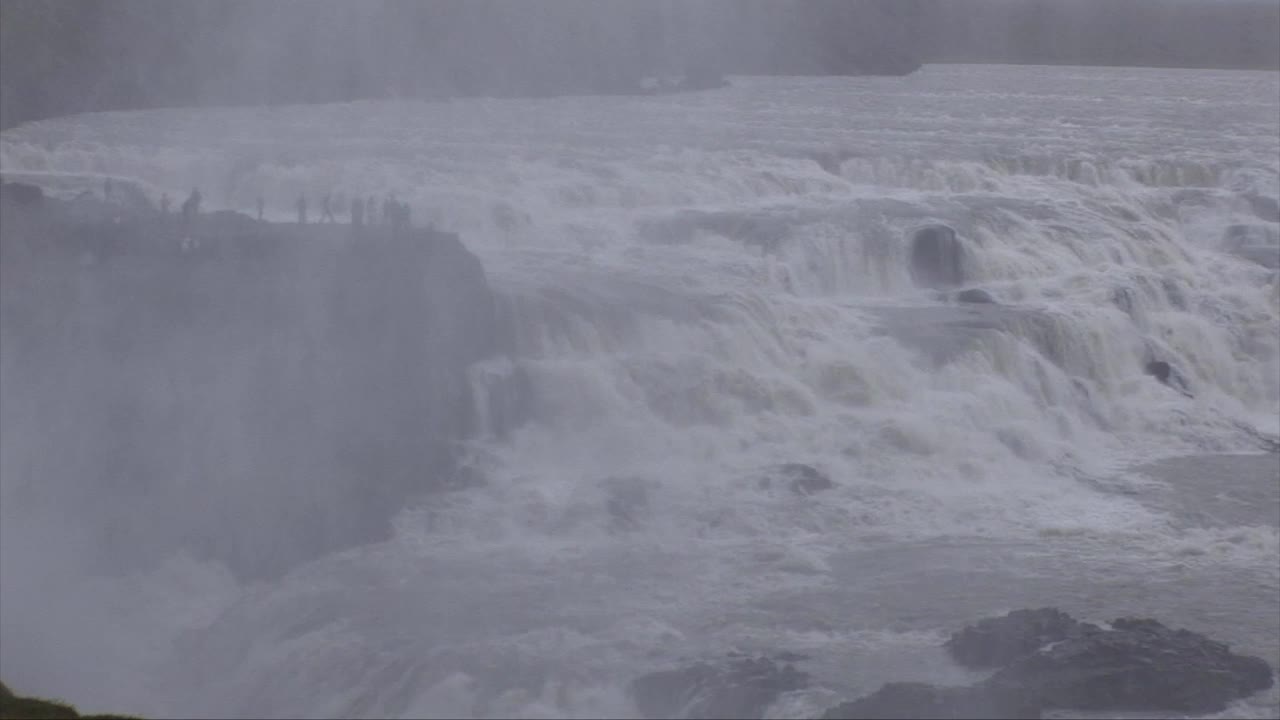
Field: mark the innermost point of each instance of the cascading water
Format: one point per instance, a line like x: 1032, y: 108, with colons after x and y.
x: 698, y: 289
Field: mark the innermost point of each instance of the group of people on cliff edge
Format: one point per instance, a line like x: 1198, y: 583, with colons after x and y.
x: 363, y: 212
x: 395, y: 214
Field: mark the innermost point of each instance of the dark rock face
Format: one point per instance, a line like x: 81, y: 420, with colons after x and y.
x: 1258, y: 243
x: 1137, y: 665
x: 909, y: 701
x: 1050, y: 661
x: 256, y: 394
x: 975, y: 296
x: 628, y: 501
x: 1167, y: 374
x: 799, y: 478
x: 742, y: 687
x: 1159, y: 369
x: 796, y: 477
x: 1265, y: 207
x: 21, y: 195
x: 937, y: 257
x: 994, y: 642
x: 832, y: 161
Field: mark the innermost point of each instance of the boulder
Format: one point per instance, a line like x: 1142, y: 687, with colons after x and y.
x: 995, y: 642
x: 1257, y: 242
x: 21, y: 195
x: 628, y: 501
x: 799, y: 478
x: 741, y: 687
x: 975, y: 296
x: 1265, y: 207
x: 832, y: 160
x: 1165, y: 373
x: 1053, y: 662
x: 937, y: 257
x: 1137, y: 665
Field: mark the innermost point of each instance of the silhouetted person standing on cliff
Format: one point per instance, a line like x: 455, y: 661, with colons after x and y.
x: 326, y: 209
x: 388, y: 210
x: 302, y: 210
x: 261, y: 206
x: 357, y: 212
x: 191, y: 207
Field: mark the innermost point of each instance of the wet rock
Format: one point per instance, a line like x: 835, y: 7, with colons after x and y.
x: 21, y: 195
x: 628, y: 501
x: 832, y: 160
x: 742, y: 687
x: 1122, y: 297
x: 1159, y: 369
x: 1265, y: 207
x: 1136, y: 665
x: 975, y: 295
x: 995, y: 642
x: 1165, y: 373
x: 1053, y: 662
x: 1257, y: 243
x: 920, y: 700
x: 799, y: 478
x: 937, y: 257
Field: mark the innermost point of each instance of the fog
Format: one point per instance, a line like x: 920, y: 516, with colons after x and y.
x: 61, y: 57
x: 654, y: 376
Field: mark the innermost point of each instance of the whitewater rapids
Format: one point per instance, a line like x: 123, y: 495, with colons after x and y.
x: 699, y: 287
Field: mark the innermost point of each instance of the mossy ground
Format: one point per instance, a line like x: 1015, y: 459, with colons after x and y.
x: 13, y: 707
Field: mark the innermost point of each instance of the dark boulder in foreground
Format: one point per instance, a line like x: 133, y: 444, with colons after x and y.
x: 994, y: 642
x: 741, y: 687
x: 1136, y: 665
x: 937, y: 257
x: 1053, y: 662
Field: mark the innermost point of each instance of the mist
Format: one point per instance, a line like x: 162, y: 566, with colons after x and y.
x: 584, y: 358
x: 61, y: 57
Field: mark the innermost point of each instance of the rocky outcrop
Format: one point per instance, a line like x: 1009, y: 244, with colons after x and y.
x: 1135, y: 665
x: 1257, y: 242
x: 1265, y: 207
x: 258, y: 394
x: 739, y: 687
x: 1050, y: 661
x: 799, y: 478
x: 937, y: 257
x: 994, y: 642
x: 1168, y: 375
x: 21, y: 195
x: 975, y: 296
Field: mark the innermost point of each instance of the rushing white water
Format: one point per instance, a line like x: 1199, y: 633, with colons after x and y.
x: 705, y: 285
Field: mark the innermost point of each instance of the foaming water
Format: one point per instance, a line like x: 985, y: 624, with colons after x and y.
x: 701, y: 287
